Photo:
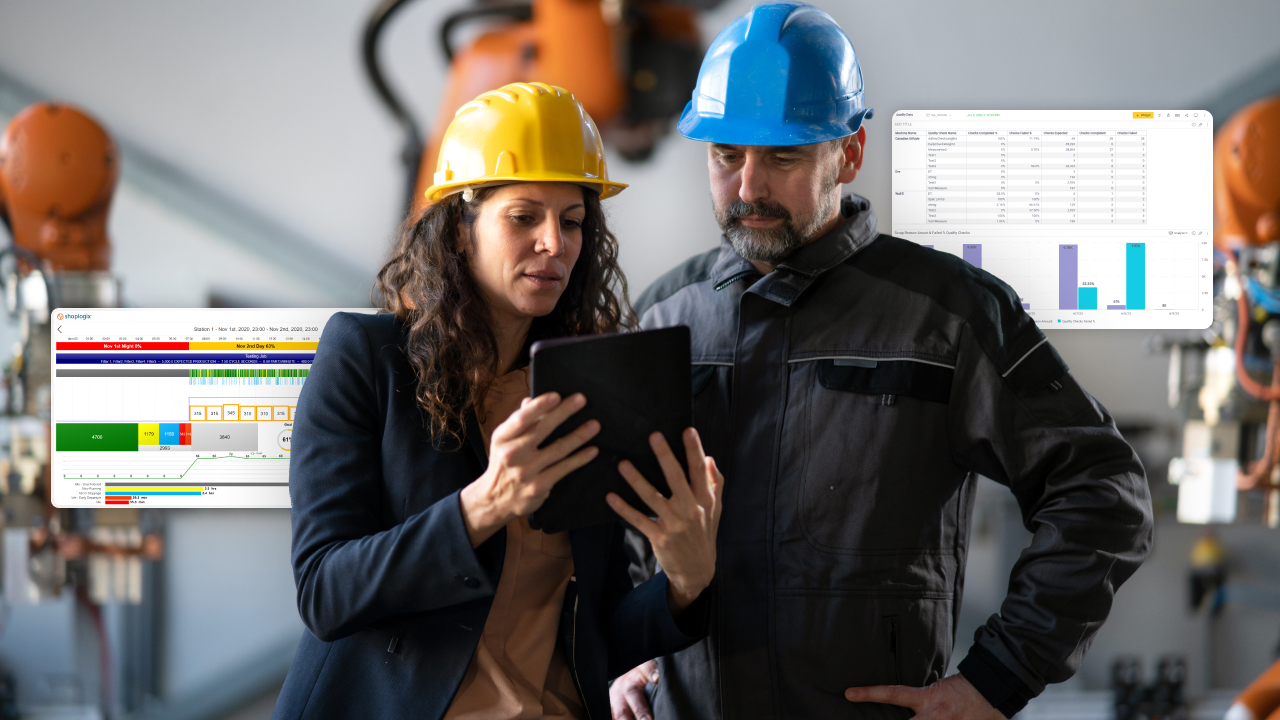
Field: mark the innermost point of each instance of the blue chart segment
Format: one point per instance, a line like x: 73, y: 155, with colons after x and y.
x: 1135, y: 276
x: 1088, y: 298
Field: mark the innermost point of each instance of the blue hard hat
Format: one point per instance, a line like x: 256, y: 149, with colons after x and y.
x: 783, y: 74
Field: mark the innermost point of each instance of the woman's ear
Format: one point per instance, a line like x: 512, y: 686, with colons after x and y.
x: 464, y: 238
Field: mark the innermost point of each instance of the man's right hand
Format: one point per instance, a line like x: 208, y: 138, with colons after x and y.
x: 626, y: 694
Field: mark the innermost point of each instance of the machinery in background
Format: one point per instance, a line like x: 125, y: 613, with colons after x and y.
x: 1208, y: 576
x: 1227, y: 382
x: 1163, y: 699
x: 58, y: 173
x: 1259, y: 701
x: 632, y: 64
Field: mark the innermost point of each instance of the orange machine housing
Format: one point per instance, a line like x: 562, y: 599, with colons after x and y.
x: 568, y: 43
x: 58, y: 172
x: 1246, y: 177
x: 1262, y: 697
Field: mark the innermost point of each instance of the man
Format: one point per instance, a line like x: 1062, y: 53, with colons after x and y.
x: 857, y: 384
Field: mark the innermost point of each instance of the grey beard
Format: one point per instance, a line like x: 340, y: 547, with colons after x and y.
x: 765, y: 245
x: 773, y: 245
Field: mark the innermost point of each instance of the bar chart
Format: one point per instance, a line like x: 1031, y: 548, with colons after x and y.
x: 1109, y: 276
x: 1076, y: 295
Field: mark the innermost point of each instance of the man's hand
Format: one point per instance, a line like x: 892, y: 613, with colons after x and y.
x: 626, y: 694
x: 951, y: 698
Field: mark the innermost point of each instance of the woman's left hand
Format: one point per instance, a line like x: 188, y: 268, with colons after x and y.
x: 684, y: 535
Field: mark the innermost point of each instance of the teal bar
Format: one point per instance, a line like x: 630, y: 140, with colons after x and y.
x: 1088, y: 299
x: 1135, y: 276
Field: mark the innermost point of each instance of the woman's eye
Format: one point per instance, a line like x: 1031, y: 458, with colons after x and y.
x: 523, y: 218
x: 571, y: 223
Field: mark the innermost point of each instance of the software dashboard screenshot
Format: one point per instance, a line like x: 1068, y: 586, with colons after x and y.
x: 1096, y: 218
x: 177, y: 407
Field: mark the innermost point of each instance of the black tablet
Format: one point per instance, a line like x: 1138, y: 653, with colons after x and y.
x: 635, y: 384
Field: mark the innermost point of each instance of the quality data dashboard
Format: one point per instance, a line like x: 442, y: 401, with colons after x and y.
x: 177, y: 408
x: 1096, y: 218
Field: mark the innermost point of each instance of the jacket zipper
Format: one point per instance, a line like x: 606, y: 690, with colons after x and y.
x: 893, y: 650
x: 734, y: 278
x: 573, y: 651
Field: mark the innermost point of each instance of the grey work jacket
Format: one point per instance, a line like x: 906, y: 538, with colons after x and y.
x: 851, y: 397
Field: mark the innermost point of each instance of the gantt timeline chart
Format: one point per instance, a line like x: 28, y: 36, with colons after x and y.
x: 177, y: 408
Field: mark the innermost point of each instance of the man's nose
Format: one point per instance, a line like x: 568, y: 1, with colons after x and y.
x: 550, y: 238
x: 754, y: 181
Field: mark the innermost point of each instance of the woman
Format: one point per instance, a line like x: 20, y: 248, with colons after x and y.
x: 416, y: 457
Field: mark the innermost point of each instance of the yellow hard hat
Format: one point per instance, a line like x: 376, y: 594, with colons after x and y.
x: 522, y: 132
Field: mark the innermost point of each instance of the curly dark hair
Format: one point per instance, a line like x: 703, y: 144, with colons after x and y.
x: 451, y: 345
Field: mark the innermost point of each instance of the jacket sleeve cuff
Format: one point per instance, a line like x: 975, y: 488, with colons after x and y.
x: 692, y: 623
x: 1000, y: 686
x: 475, y: 570
x: 642, y: 627
x: 676, y: 632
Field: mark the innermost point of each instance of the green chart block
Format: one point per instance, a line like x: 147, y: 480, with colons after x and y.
x: 81, y: 437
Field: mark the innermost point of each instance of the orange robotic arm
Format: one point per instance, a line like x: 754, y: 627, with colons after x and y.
x: 568, y: 43
x: 631, y: 63
x: 1261, y: 700
x: 1246, y: 177
x: 58, y: 171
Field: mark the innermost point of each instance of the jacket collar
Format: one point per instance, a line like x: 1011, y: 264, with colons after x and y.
x: 794, y: 274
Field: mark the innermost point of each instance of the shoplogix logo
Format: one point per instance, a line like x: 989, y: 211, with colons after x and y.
x: 74, y: 316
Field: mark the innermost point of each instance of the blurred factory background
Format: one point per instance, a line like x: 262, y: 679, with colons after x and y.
x: 260, y: 169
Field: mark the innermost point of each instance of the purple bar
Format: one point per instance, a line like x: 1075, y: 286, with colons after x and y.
x: 973, y: 255
x: 928, y: 246
x: 1026, y: 306
x: 1068, y: 276
x: 1115, y: 307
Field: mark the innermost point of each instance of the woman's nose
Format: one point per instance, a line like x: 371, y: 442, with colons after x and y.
x: 550, y: 239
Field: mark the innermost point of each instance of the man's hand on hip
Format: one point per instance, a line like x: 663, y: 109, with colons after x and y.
x: 626, y: 694
x: 951, y: 698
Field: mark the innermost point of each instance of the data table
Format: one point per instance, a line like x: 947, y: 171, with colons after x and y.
x: 1024, y: 176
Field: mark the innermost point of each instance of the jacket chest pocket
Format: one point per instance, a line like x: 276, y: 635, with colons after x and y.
x: 891, y: 378
x: 878, y: 474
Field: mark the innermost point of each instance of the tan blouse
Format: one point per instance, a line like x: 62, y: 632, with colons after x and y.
x: 519, y: 671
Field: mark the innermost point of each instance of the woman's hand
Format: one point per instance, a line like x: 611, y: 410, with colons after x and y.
x: 684, y: 535
x: 520, y: 476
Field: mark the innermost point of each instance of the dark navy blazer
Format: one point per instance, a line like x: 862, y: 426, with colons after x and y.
x: 393, y: 595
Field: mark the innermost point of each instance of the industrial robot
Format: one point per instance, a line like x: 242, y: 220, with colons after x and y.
x: 1228, y: 382
x: 58, y: 174
x: 631, y: 63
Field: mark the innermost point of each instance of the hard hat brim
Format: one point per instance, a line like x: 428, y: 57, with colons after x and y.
x: 606, y: 188
x: 740, y: 131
